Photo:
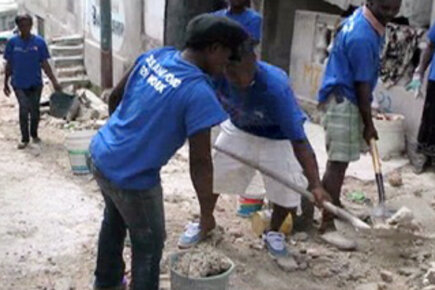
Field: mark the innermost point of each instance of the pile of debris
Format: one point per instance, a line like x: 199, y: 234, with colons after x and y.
x: 201, y: 264
x: 88, y: 112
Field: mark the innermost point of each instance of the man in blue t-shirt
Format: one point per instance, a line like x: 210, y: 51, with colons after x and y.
x: 25, y: 55
x: 166, y: 98
x: 250, y: 19
x: 346, y: 93
x: 426, y: 134
x: 266, y: 128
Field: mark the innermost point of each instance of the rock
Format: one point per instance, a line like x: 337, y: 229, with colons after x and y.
x: 387, y: 276
x: 300, y: 237
x: 287, y: 264
x: 407, y: 271
x: 202, y: 264
x: 321, y: 271
x: 257, y: 245
x: 429, y: 277
x: 235, y: 232
x: 395, y: 179
x: 382, y: 286
x: 368, y: 286
x: 431, y: 287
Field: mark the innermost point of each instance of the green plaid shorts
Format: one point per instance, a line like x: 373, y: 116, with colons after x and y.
x: 344, y: 130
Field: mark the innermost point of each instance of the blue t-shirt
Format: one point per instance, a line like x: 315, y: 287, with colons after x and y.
x: 25, y: 57
x: 267, y: 108
x: 355, y: 57
x: 431, y: 36
x: 166, y: 100
x: 250, y: 19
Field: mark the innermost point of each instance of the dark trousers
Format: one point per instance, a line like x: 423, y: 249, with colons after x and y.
x: 28, y: 101
x: 141, y: 212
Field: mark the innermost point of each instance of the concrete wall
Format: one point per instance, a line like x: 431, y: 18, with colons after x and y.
x: 279, y: 19
x: 307, y: 69
x: 127, y: 36
x: 58, y: 18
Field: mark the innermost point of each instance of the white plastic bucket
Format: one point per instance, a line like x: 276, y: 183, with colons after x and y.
x: 77, y: 144
x: 391, y: 134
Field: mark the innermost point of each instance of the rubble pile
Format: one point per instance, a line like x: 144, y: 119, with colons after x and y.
x: 88, y: 112
x: 202, y: 264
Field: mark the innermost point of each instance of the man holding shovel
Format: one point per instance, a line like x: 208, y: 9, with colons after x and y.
x: 265, y: 127
x: 346, y: 94
x: 25, y: 55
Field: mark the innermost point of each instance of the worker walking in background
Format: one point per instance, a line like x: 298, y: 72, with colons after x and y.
x: 426, y: 134
x: 25, y: 55
x: 166, y: 98
x: 346, y: 95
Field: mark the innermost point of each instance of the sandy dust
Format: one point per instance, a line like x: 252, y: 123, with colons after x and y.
x: 50, y: 219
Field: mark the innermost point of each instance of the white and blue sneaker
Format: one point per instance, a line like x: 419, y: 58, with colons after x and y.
x: 190, y: 237
x: 275, y: 243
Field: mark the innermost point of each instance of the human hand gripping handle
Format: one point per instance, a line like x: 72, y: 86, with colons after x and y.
x: 320, y: 196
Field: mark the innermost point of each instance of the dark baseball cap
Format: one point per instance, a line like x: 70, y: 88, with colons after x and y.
x: 206, y: 29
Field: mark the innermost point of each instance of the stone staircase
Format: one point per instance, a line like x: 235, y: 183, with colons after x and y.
x: 68, y: 61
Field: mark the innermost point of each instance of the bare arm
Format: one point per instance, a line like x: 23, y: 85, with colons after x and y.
x: 201, y: 173
x: 306, y: 157
x: 8, y: 73
x: 364, y: 95
x: 117, y: 93
x: 49, y: 72
x: 425, y: 59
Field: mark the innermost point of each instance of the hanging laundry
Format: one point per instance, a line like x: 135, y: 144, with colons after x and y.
x: 401, y: 45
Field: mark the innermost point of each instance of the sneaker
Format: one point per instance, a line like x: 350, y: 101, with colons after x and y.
x: 275, y: 243
x: 190, y: 237
x: 22, y: 145
x: 37, y: 140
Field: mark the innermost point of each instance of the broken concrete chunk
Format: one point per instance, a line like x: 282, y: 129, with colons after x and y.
x: 368, y: 286
x: 387, y: 276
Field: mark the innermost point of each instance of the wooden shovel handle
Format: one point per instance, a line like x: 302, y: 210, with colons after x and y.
x: 375, y: 156
x: 339, y: 212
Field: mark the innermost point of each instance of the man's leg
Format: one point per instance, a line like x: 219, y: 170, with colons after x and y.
x: 333, y: 181
x: 24, y: 109
x: 144, y: 215
x: 110, y: 264
x: 35, y: 98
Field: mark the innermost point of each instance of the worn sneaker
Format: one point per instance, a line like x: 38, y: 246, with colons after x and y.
x: 22, y: 145
x: 37, y: 140
x: 275, y: 243
x: 190, y: 237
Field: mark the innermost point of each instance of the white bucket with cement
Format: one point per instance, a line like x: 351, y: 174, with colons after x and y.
x: 77, y: 144
x: 391, y: 134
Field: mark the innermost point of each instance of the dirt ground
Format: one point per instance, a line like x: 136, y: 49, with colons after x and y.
x: 50, y: 219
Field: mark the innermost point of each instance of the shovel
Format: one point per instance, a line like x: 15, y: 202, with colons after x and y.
x: 379, y: 212
x: 339, y: 212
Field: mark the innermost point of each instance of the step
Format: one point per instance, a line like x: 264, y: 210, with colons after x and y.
x: 79, y: 81
x: 71, y: 71
x: 68, y: 40
x: 68, y: 61
x: 66, y: 50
